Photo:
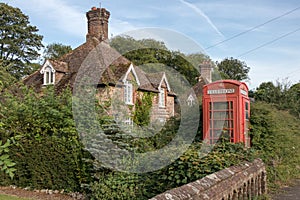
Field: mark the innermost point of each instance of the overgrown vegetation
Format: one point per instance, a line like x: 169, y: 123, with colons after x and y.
x: 49, y: 153
x: 275, y: 138
x: 189, y: 167
x: 142, y: 110
x: 283, y: 95
x: 40, y: 145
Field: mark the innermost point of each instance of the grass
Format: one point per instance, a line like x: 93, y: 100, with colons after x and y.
x: 7, y: 197
x: 278, y: 135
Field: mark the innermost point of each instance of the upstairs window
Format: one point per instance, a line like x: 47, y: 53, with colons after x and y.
x: 162, y: 98
x: 128, y: 93
x: 49, y: 75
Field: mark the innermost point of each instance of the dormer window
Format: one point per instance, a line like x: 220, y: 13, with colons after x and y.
x: 49, y: 74
x: 162, y: 98
x: 128, y: 93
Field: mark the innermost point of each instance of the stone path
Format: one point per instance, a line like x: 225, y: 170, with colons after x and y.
x: 289, y: 193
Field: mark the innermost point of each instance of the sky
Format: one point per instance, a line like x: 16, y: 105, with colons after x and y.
x: 265, y: 34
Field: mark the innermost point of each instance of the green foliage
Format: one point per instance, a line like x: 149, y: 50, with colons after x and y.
x: 142, y: 110
x: 31, y: 115
x: 125, y: 44
x: 117, y: 185
x: 231, y: 68
x: 281, y: 94
x: 192, y: 165
x: 6, y: 78
x: 50, y: 162
x: 293, y: 96
x: 19, y: 41
x: 189, y: 167
x: 56, y: 50
x: 50, y: 154
x: 268, y: 92
x: 275, y: 137
x: 149, y: 51
x: 6, y: 163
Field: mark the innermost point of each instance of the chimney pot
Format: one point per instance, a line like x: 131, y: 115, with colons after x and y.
x: 97, y: 24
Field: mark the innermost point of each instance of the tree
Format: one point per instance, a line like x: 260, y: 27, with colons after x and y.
x: 235, y: 69
x: 19, y: 41
x: 294, y: 99
x: 5, y: 78
x: 56, y: 50
x: 149, y: 51
x: 125, y: 44
x: 279, y: 94
x: 268, y: 92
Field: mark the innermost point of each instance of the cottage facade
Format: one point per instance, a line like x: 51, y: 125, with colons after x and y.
x: 121, y: 78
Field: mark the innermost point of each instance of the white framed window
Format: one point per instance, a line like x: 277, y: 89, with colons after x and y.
x: 128, y: 92
x: 162, y: 99
x: 49, y: 75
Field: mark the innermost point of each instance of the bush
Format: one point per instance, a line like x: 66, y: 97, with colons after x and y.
x: 51, y: 162
x: 49, y: 153
x: 275, y: 137
x: 117, y: 185
x: 187, y: 168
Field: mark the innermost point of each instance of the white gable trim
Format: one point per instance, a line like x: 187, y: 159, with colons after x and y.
x: 47, y: 64
x: 164, y: 78
x: 131, y: 69
x: 49, y: 74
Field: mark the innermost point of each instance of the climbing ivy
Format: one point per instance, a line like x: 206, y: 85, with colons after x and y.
x: 143, y: 107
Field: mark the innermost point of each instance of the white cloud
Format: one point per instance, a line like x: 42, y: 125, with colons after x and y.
x: 202, y: 14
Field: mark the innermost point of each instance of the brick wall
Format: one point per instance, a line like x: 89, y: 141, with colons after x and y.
x: 245, y: 181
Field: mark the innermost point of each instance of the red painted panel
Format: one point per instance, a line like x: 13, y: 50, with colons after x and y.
x: 226, y: 111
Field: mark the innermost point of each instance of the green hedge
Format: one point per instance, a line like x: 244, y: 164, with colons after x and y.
x: 48, y: 153
x: 51, y: 162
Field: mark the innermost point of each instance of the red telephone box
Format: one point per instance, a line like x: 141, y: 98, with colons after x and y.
x: 226, y: 110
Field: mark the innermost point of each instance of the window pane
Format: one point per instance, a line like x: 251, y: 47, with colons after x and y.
x: 162, y: 97
x: 128, y: 90
x: 220, y: 105
x: 221, y: 120
x: 47, y: 77
x: 220, y: 115
x: 51, y: 77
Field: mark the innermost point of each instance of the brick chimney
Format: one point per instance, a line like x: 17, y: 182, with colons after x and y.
x: 97, y: 24
x: 205, y: 71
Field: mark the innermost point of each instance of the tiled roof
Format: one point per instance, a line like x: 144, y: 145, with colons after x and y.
x: 69, y: 66
x: 155, y: 78
x: 59, y: 66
